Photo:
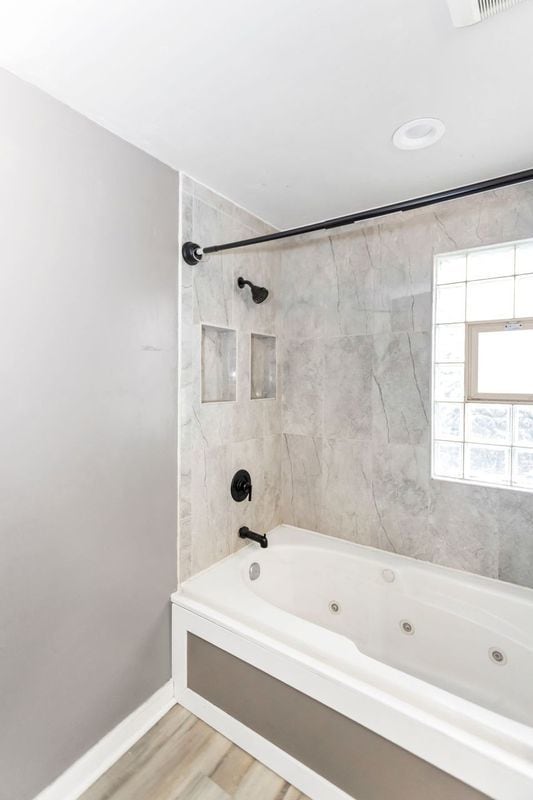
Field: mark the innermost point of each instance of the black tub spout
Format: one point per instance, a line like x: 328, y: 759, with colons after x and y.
x: 260, y: 538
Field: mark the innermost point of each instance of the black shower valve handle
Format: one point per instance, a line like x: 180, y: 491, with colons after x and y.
x: 247, y: 489
x: 241, y: 486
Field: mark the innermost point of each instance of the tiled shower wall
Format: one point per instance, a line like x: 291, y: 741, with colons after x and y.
x: 346, y: 451
x: 218, y: 438
x: 355, y: 322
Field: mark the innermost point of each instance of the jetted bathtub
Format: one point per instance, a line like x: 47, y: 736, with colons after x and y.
x: 353, y: 672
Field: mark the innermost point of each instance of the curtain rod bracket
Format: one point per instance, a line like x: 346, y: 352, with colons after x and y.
x: 192, y: 253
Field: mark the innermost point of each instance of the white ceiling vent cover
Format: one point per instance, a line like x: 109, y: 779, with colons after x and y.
x: 468, y: 12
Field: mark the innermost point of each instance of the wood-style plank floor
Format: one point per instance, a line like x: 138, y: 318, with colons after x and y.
x: 182, y: 758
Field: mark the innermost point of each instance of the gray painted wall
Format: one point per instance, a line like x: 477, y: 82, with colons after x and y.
x: 355, y: 321
x: 88, y: 265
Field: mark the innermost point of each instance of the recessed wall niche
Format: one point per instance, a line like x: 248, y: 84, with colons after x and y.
x: 263, y: 367
x: 219, y: 364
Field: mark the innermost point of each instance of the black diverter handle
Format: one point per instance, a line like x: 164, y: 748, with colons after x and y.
x: 241, y: 486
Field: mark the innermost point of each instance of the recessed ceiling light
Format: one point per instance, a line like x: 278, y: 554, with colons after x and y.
x: 418, y: 133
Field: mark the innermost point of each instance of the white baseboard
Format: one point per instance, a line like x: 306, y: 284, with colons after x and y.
x: 87, y: 769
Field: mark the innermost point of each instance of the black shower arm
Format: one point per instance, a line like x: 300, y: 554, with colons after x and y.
x: 193, y: 253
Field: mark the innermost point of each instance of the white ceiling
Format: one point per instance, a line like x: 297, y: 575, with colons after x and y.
x: 288, y: 106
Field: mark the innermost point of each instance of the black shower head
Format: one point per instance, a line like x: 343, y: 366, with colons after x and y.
x: 259, y: 293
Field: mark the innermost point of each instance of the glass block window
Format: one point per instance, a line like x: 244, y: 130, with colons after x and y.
x: 482, y: 418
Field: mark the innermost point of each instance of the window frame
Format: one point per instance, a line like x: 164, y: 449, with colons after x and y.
x: 452, y: 457
x: 473, y: 329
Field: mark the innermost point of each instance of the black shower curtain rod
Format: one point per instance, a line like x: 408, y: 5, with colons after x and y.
x: 193, y: 253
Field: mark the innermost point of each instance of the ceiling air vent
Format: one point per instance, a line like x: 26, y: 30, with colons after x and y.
x: 468, y: 12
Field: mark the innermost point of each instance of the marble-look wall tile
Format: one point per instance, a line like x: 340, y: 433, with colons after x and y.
x: 489, y: 218
x: 271, y: 414
x: 301, y: 480
x: 211, y: 507
x: 400, y: 486
x: 185, y: 391
x: 350, y: 299
x: 368, y: 287
x: 224, y: 205
x: 347, y: 503
x: 411, y: 313
x: 186, y: 211
x: 184, y: 548
x: 251, y: 221
x: 463, y: 527
x: 401, y: 388
x: 387, y: 285
x: 213, y: 276
x: 247, y: 421
x: 400, y: 255
x: 211, y: 425
x: 351, y: 280
x: 217, y: 438
x: 516, y: 537
x: 302, y: 386
x: 261, y: 267
x: 185, y: 446
x: 271, y: 514
x: 347, y: 387
x: 304, y: 287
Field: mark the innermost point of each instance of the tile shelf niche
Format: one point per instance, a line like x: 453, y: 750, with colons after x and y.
x: 263, y: 367
x: 219, y: 364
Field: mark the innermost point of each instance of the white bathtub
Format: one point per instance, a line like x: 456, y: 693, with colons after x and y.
x: 437, y: 661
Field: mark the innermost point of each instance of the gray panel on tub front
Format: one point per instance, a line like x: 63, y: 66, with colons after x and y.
x: 352, y: 757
